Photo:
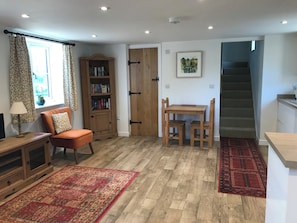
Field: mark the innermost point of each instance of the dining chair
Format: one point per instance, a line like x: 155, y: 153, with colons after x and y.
x: 57, y: 122
x: 207, y: 126
x: 176, y: 128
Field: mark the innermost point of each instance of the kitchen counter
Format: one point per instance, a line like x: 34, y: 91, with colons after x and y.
x: 285, y: 146
x: 286, y: 113
x: 288, y: 99
x: 290, y: 102
x: 281, y: 193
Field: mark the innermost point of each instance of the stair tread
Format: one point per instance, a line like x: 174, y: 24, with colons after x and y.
x: 237, y: 108
x: 238, y: 78
x: 237, y: 99
x: 234, y: 64
x: 237, y: 128
x: 237, y: 90
x: 237, y: 118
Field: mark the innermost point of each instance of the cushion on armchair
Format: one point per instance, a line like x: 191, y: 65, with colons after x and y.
x: 61, y: 122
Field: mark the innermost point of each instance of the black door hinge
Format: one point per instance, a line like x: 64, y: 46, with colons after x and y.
x: 135, y: 122
x: 131, y: 92
x: 133, y: 62
x: 155, y: 79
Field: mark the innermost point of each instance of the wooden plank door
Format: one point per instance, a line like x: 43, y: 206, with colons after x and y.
x: 143, y: 92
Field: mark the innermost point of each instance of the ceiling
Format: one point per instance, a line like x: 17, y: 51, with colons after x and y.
x: 126, y: 21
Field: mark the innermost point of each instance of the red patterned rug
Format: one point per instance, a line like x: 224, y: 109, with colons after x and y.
x: 72, y: 194
x: 243, y: 170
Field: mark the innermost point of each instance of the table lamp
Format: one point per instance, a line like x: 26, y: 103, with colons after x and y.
x: 18, y: 108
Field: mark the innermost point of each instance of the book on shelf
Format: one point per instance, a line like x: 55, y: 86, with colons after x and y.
x: 97, y: 71
x: 100, y: 104
x: 95, y: 88
x: 99, y: 88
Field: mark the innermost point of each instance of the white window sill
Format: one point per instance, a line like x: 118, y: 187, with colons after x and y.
x: 48, y: 106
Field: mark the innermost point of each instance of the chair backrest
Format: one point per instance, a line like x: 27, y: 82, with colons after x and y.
x: 211, y: 112
x: 166, y: 101
x: 47, y: 119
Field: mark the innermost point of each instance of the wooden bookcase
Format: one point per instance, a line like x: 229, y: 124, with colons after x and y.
x: 23, y: 161
x: 98, y: 95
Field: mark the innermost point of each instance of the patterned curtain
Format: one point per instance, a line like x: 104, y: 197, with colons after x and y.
x: 70, y: 91
x: 20, y: 80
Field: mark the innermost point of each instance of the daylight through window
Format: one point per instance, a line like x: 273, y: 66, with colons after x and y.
x: 46, y: 60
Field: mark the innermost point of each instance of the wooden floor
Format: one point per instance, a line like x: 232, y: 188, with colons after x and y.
x: 175, y: 184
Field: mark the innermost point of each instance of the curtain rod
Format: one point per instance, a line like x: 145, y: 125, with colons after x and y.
x: 22, y: 34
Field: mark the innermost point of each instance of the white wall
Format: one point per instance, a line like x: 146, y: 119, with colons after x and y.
x: 236, y: 51
x: 193, y: 90
x: 4, y: 81
x: 279, y: 75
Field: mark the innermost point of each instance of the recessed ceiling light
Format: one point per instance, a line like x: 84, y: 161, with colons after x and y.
x: 210, y: 27
x: 104, y: 8
x: 284, y: 22
x: 147, y: 32
x: 25, y: 16
x: 94, y: 35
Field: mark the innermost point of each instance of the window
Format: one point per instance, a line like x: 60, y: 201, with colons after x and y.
x: 253, y: 45
x: 46, y: 60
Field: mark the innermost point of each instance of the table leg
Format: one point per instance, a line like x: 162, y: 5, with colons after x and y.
x: 166, y: 136
x: 163, y: 131
x: 201, y: 130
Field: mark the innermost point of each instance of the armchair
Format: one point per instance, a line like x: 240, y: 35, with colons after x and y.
x: 65, y: 136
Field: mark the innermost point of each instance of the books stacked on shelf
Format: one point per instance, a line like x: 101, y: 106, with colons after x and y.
x: 99, y: 88
x: 98, y: 71
x: 100, y: 103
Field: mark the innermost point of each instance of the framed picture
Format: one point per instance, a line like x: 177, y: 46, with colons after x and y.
x: 189, y: 64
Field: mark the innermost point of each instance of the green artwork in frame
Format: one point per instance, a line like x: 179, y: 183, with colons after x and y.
x: 189, y: 64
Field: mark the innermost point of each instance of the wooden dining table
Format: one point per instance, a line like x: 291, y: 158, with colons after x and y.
x: 185, y: 110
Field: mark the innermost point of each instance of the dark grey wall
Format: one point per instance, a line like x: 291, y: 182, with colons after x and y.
x: 236, y: 51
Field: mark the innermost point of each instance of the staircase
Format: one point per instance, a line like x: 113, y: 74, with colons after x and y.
x: 237, y: 113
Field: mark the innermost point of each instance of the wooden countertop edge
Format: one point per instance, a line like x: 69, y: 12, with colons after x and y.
x: 292, y: 164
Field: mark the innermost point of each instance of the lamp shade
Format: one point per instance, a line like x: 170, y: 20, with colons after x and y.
x: 17, y: 108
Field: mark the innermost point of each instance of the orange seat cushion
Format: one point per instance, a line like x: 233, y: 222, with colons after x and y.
x: 73, y: 138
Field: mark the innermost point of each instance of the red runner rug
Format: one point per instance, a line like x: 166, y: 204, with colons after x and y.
x: 242, y: 169
x: 72, y: 194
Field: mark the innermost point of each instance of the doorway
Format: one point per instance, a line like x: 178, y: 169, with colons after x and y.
x: 240, y: 66
x: 143, y: 71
